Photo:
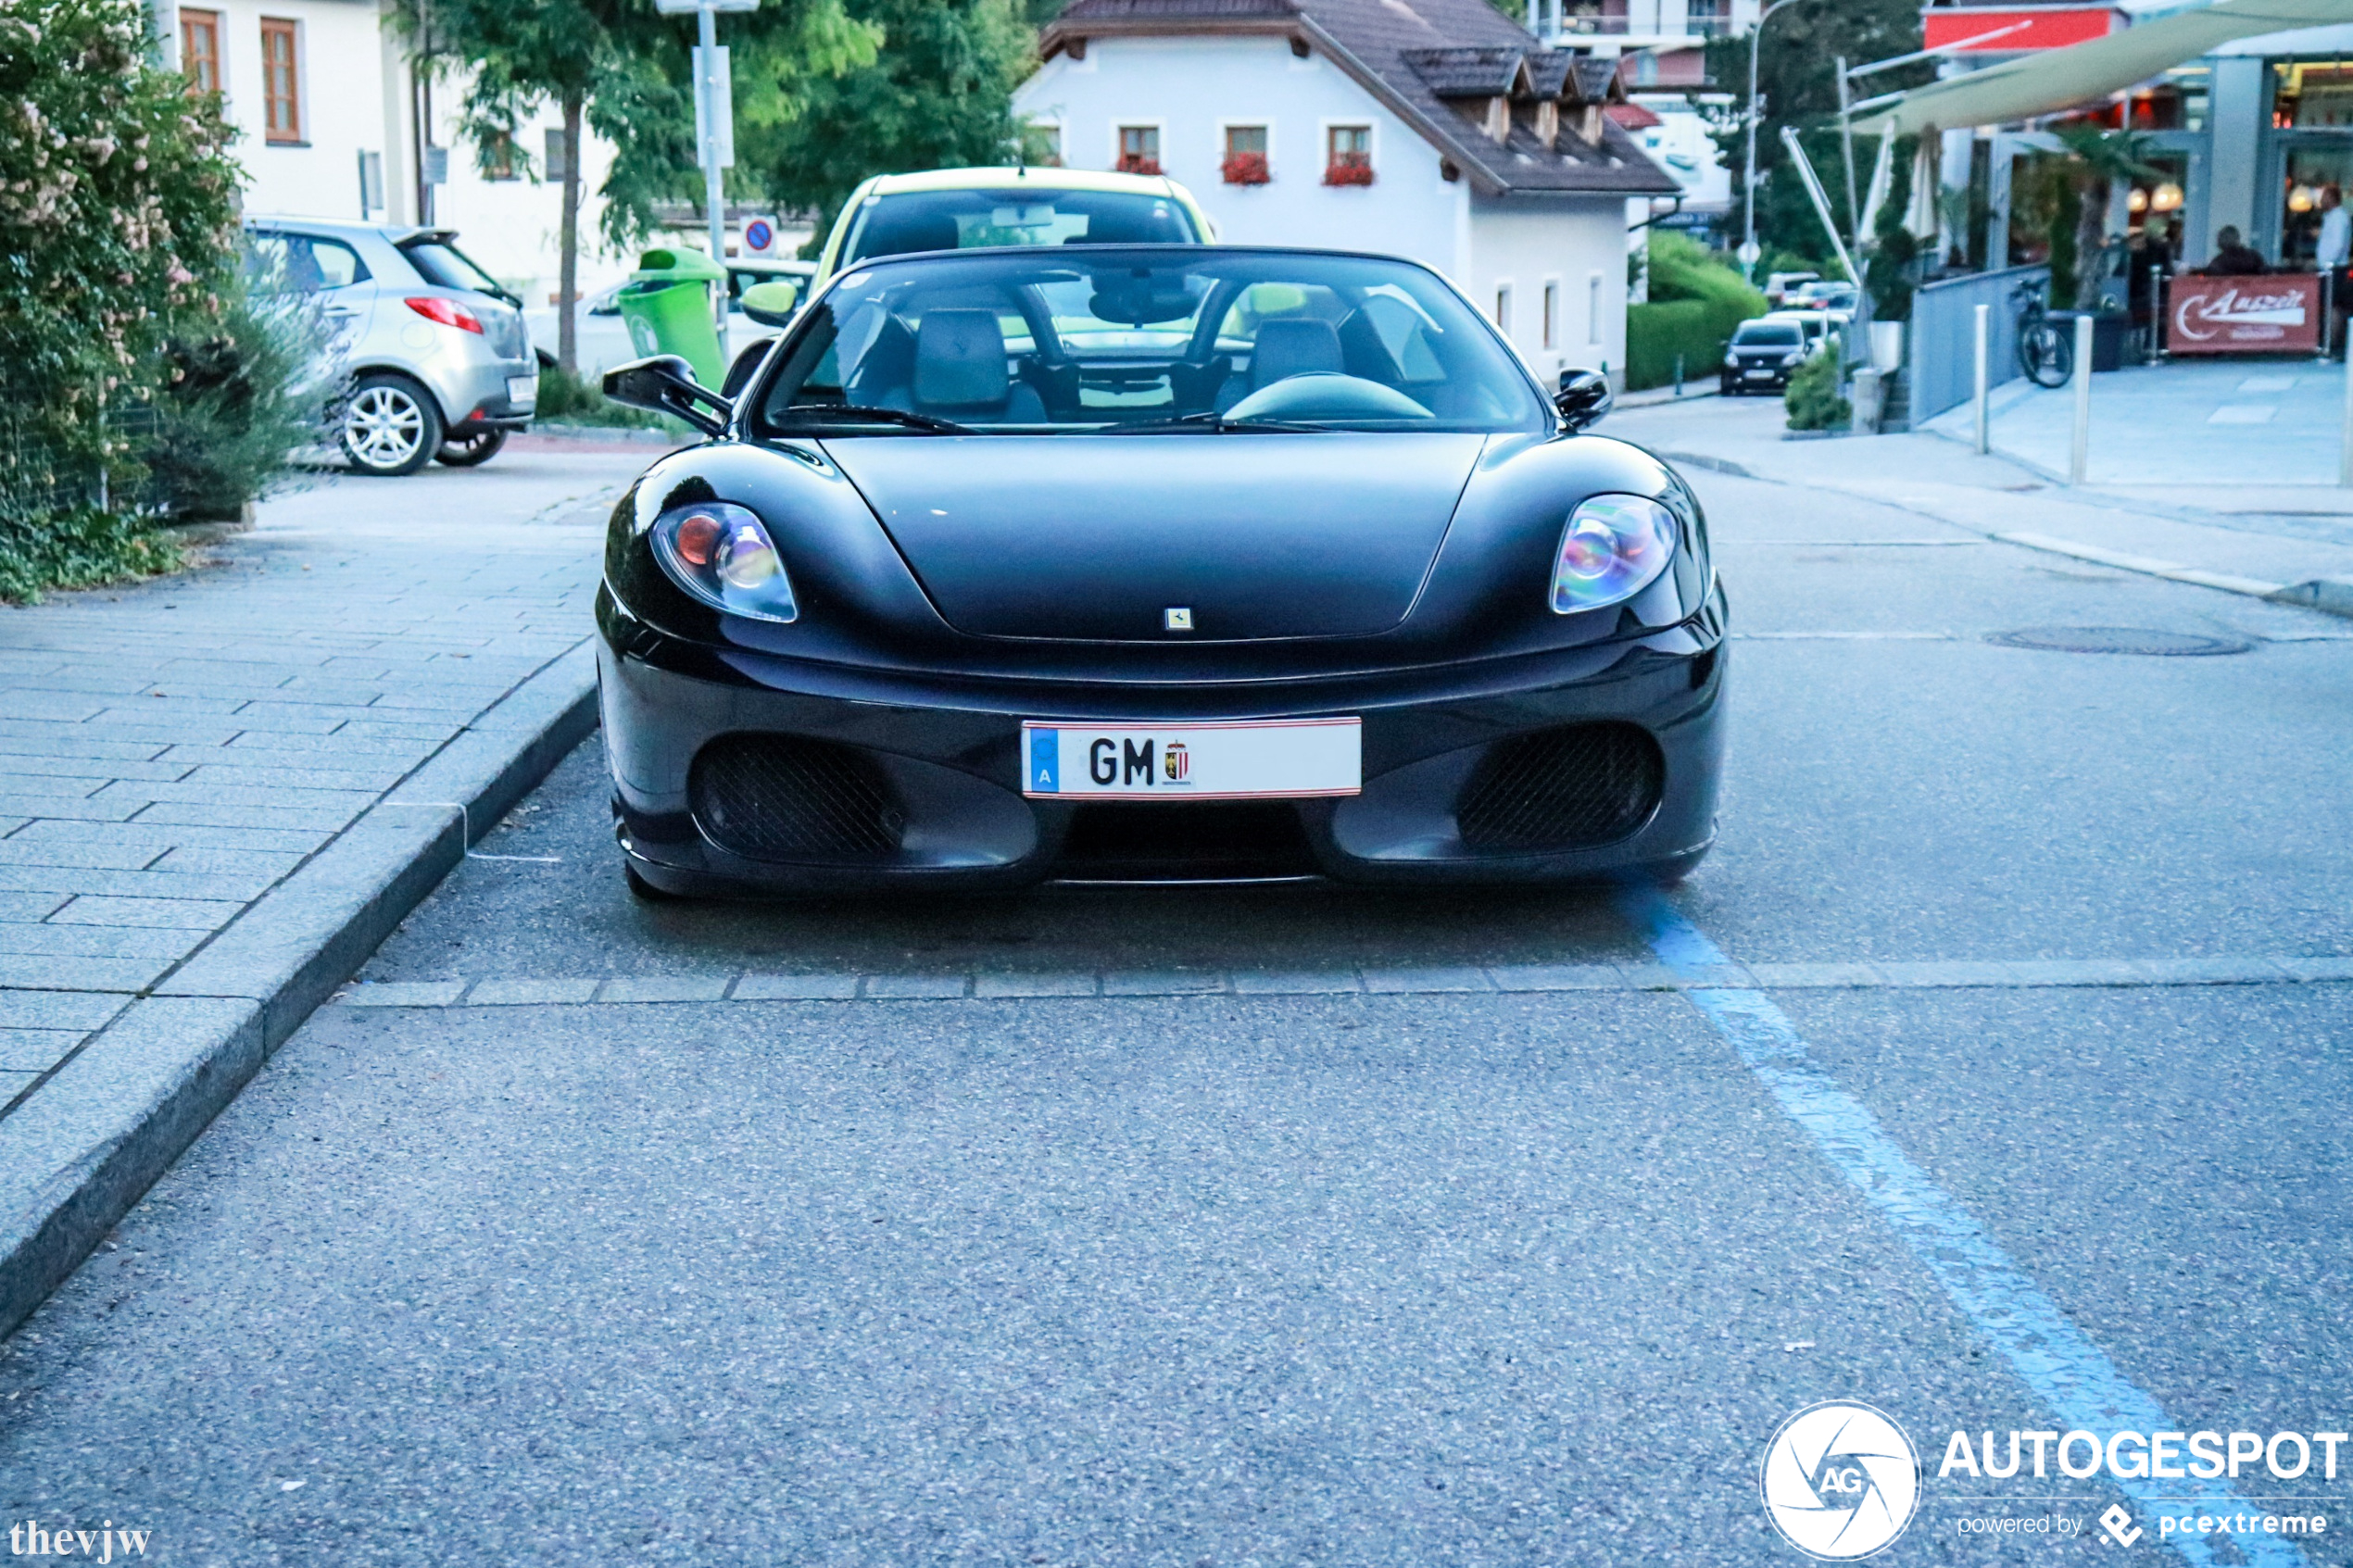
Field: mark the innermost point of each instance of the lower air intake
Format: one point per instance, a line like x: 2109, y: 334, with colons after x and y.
x: 1571, y: 788
x: 786, y: 797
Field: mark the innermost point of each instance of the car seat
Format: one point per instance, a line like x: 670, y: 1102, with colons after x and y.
x: 1293, y: 346
x: 960, y: 370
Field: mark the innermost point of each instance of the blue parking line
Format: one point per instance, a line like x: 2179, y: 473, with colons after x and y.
x: 2073, y: 1377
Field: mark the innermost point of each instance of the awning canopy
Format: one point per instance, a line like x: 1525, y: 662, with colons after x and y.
x: 2086, y: 73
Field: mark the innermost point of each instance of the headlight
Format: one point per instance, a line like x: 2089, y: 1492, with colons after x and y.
x: 1614, y: 547
x: 1732, y: 362
x: 722, y: 556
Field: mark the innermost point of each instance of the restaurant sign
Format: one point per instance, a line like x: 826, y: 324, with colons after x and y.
x: 2243, y: 315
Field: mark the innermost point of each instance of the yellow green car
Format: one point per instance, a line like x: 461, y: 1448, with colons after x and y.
x: 967, y: 209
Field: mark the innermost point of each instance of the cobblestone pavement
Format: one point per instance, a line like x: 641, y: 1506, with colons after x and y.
x: 170, y: 752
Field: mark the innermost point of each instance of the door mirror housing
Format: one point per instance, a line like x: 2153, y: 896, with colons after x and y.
x: 771, y: 305
x: 666, y: 384
x: 1584, y: 398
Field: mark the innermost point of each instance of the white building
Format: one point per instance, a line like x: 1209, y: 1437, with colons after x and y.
x: 1659, y: 43
x: 327, y: 103
x: 1433, y: 129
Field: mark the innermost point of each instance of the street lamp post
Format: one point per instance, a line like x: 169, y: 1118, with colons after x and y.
x: 1749, y: 252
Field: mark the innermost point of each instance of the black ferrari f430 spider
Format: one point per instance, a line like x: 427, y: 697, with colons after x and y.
x: 1165, y: 562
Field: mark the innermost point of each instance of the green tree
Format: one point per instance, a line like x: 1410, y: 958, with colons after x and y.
x: 1797, y: 85
x: 624, y: 71
x: 938, y: 95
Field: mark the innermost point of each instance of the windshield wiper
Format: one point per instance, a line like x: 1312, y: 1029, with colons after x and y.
x: 860, y: 412
x: 1211, y: 419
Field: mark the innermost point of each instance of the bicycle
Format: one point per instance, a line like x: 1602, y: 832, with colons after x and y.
x: 2044, y: 352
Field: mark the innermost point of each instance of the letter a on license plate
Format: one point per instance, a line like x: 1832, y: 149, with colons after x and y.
x: 1258, y: 759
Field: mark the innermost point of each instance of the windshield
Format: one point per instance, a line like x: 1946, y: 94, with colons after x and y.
x: 1778, y: 334
x: 1116, y: 341
x: 439, y: 262
x: 917, y: 220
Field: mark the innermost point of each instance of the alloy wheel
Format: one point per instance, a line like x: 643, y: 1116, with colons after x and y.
x: 384, y: 427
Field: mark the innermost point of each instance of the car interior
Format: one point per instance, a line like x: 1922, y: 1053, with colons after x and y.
x: 1134, y: 344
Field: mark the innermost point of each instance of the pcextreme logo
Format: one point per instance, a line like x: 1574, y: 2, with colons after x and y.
x: 1840, y: 1481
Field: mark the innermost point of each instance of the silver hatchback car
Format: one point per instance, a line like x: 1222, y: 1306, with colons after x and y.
x: 427, y: 356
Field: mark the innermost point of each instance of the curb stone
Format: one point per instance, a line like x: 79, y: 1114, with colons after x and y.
x: 79, y: 1154
x: 2331, y: 595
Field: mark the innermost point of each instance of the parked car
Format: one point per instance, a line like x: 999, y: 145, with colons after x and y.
x: 601, y: 341
x: 1840, y: 299
x: 1779, y: 286
x: 1763, y: 352
x: 427, y: 356
x: 965, y: 208
x: 1152, y: 563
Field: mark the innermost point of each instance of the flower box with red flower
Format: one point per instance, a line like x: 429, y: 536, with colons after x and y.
x: 1246, y: 169
x: 1350, y: 172
x: 1134, y: 163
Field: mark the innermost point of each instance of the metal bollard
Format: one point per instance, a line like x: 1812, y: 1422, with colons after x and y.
x: 1984, y: 435
x: 1678, y: 375
x: 2082, y: 457
x: 2344, y: 445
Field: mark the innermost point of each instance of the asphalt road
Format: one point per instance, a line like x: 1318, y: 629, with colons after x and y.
x: 1400, y: 1273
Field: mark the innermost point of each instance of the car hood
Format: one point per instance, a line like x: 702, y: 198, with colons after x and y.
x: 1098, y: 537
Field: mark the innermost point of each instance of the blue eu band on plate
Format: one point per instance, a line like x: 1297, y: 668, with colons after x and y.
x: 1264, y: 760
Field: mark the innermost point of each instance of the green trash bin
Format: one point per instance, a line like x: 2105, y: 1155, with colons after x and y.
x: 667, y: 306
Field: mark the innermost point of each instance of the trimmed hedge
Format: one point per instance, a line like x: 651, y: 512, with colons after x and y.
x: 1696, y: 329
x: 1696, y: 302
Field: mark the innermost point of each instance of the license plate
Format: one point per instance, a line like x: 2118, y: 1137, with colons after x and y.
x: 1256, y: 759
x: 1758, y: 375
x: 523, y: 389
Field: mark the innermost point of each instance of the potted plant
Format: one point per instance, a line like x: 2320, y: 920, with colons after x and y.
x: 1348, y: 170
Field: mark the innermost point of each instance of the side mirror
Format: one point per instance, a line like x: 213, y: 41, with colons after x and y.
x: 666, y: 384
x: 1584, y: 398
x: 747, y: 364
x: 771, y: 305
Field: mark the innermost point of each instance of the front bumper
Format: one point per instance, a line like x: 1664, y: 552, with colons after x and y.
x: 950, y: 752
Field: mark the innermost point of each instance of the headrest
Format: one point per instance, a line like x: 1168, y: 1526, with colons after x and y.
x: 1293, y: 346
x: 1122, y: 225
x: 902, y: 233
x: 960, y: 359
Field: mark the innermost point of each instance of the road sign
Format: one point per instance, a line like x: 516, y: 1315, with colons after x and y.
x: 760, y: 236
x: 1749, y: 253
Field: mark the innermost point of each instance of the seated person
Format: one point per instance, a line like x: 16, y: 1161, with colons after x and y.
x: 2233, y: 259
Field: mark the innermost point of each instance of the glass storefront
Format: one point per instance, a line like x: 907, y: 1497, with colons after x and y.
x: 2312, y: 151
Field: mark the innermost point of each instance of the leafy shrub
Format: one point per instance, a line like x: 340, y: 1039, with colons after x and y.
x: 118, y: 233
x: 1812, y: 399
x: 229, y: 413
x: 1697, y: 303
x: 80, y: 548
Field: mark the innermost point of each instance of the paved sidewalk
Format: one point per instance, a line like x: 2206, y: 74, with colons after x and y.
x: 2278, y: 534
x: 170, y: 752
x: 2197, y: 422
